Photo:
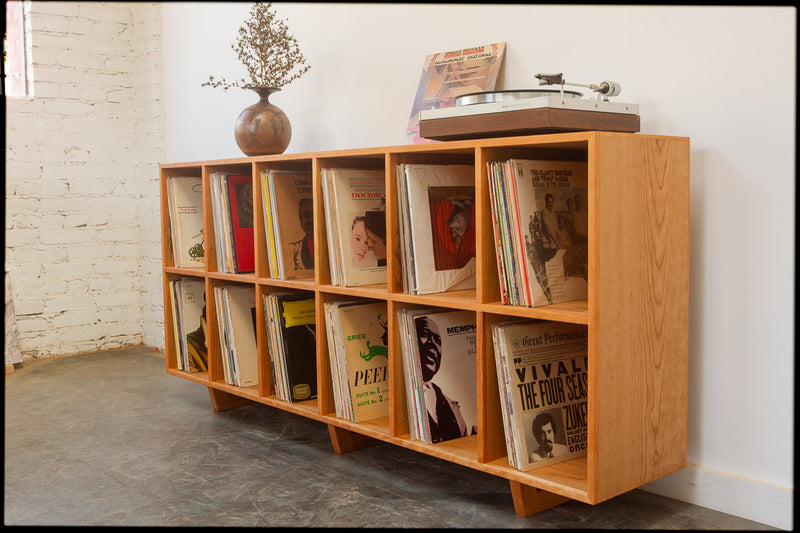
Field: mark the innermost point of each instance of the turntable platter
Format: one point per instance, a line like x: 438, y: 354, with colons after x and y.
x: 504, y: 96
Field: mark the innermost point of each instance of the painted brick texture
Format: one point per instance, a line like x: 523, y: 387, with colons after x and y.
x: 82, y: 218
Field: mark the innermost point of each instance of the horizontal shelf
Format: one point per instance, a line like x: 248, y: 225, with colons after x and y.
x: 247, y: 277
x: 378, y: 291
x: 306, y: 408
x: 567, y: 479
x: 575, y: 312
x: 376, y: 428
x: 463, y: 299
x: 197, y: 377
x: 186, y: 271
x: 299, y: 284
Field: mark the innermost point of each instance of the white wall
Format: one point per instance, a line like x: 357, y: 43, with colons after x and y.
x: 724, y: 76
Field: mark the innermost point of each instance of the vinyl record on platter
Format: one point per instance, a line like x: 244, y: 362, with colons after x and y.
x: 503, y: 96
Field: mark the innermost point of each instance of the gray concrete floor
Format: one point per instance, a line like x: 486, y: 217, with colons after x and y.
x: 109, y: 439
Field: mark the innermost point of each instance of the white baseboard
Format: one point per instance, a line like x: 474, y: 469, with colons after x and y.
x: 745, y: 498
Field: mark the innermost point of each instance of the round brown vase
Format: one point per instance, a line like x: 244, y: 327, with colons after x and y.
x: 263, y: 128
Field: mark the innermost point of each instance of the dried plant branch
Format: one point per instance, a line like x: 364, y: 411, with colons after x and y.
x: 268, y: 51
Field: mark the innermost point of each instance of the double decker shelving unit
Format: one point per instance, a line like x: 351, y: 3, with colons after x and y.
x: 636, y: 311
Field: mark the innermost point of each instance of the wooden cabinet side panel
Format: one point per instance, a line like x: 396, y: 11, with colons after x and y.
x: 638, y: 310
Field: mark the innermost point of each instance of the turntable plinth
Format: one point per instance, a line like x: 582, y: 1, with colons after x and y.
x: 525, y: 122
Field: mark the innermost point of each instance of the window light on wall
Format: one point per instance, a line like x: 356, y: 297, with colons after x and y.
x: 17, y: 80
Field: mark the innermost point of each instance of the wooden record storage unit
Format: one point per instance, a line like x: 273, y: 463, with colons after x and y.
x: 636, y: 311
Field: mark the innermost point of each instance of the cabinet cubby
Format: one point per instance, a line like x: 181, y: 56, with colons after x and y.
x: 636, y: 311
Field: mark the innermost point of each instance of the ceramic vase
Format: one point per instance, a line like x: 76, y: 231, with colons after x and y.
x: 263, y: 128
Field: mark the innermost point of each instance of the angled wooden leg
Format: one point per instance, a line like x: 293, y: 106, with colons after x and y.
x: 345, y: 441
x: 222, y: 400
x: 530, y: 500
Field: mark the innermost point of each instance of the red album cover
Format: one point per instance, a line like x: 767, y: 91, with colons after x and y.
x: 240, y: 193
x: 452, y: 229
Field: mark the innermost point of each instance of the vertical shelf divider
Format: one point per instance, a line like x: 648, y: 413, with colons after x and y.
x: 325, y: 401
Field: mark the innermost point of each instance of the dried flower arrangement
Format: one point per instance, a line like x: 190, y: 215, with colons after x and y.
x: 267, y: 50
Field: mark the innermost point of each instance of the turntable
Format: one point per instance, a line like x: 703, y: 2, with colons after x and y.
x: 529, y: 112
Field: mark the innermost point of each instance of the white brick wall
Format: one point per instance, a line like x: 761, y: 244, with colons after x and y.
x: 82, y: 223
